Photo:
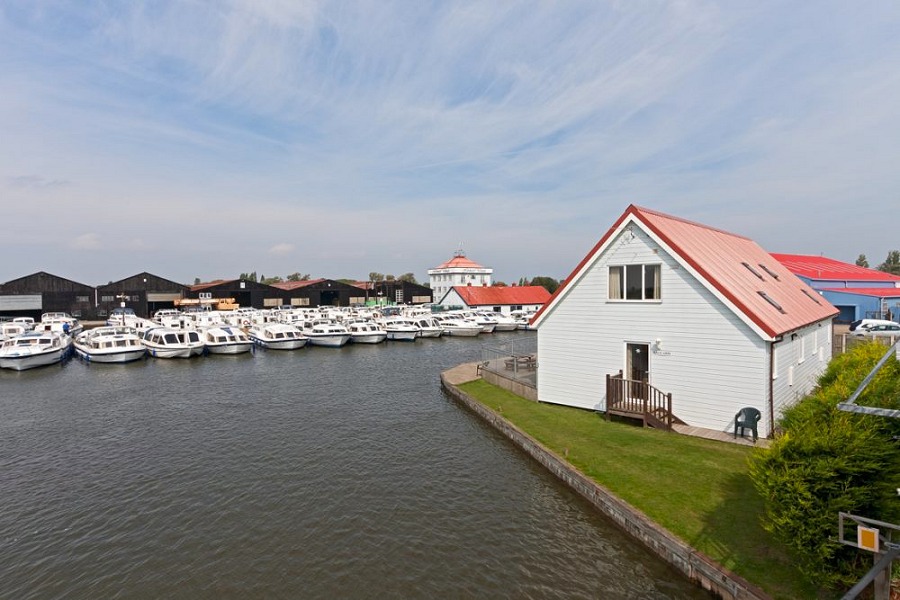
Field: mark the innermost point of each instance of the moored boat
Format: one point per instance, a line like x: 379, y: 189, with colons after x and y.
x: 400, y: 330
x: 109, y: 345
x: 34, y: 349
x: 226, y: 339
x: 165, y: 342
x: 277, y: 336
x: 326, y: 333
x: 366, y: 332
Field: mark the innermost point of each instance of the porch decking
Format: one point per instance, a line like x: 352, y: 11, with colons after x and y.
x: 635, y: 399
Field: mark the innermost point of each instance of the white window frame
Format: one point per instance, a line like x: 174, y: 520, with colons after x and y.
x: 623, y: 283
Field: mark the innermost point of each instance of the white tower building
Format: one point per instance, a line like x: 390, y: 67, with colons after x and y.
x: 458, y: 271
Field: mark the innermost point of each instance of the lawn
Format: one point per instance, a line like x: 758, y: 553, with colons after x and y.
x: 697, y: 489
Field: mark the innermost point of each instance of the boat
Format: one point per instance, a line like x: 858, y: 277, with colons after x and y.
x: 326, y: 333
x: 165, y: 342
x: 35, y: 349
x: 226, y: 339
x: 61, y: 322
x: 429, y: 327
x: 109, y: 344
x: 460, y: 327
x: 26, y: 322
x: 125, y: 317
x: 502, y: 322
x: 10, y: 329
x: 400, y: 330
x: 366, y: 332
x: 277, y: 336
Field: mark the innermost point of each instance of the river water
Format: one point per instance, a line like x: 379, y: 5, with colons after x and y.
x: 319, y: 473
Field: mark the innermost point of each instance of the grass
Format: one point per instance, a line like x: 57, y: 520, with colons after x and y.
x: 697, y: 489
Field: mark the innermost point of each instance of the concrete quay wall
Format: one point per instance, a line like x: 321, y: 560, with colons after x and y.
x: 693, y: 564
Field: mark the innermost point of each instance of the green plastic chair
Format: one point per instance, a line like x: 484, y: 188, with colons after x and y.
x: 747, y: 418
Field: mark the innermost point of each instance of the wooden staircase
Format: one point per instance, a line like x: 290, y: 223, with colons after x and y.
x: 639, y: 400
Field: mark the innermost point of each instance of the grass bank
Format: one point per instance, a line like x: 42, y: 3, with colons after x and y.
x: 697, y: 489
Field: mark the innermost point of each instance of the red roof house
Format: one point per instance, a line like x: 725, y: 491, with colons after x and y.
x: 687, y: 309
x: 501, y: 298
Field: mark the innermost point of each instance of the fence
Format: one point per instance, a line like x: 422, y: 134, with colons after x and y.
x: 842, y: 342
x: 516, y: 360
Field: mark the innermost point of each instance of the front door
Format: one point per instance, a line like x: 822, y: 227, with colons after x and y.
x: 637, y: 369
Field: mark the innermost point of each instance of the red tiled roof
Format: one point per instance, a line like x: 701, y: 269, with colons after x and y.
x: 500, y: 295
x: 820, y: 267
x: 459, y: 262
x: 879, y: 292
x: 717, y: 257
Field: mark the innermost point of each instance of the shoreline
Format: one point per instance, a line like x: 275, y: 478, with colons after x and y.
x: 696, y: 566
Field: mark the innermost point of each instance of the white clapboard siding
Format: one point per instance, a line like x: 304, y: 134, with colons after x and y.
x: 800, y: 359
x: 709, y: 359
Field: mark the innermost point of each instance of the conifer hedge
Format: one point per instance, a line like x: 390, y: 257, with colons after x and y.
x: 826, y: 461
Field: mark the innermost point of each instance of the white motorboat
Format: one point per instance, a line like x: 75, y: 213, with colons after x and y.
x: 226, y: 339
x: 10, y: 329
x: 400, y: 330
x: 165, y: 342
x: 109, y: 345
x: 502, y: 322
x: 125, y: 317
x: 460, y: 327
x: 26, y: 322
x: 60, y: 322
x: 366, y: 332
x: 326, y: 333
x: 34, y: 349
x: 429, y: 327
x: 278, y: 336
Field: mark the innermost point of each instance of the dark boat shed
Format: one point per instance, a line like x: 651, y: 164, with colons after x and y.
x: 321, y: 292
x: 246, y: 293
x: 145, y: 293
x: 41, y: 292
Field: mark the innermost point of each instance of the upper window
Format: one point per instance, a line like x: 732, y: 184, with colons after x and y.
x: 634, y: 282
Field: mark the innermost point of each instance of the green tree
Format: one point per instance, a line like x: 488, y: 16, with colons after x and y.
x: 408, y: 277
x: 862, y: 261
x: 892, y: 263
x: 548, y: 283
x: 390, y: 278
x: 828, y: 461
x: 248, y: 276
x: 498, y: 284
x: 298, y: 277
x: 376, y: 277
x: 196, y: 281
x: 270, y: 280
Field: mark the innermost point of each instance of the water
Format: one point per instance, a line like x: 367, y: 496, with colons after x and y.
x: 318, y: 473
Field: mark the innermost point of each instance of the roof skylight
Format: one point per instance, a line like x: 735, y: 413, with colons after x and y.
x: 771, y: 301
x: 811, y: 297
x: 772, y: 273
x: 752, y: 270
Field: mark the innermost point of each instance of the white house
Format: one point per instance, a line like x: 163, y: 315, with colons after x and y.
x: 526, y: 298
x: 700, y: 313
x: 458, y: 271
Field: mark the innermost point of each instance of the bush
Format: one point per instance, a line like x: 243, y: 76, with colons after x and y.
x: 828, y: 461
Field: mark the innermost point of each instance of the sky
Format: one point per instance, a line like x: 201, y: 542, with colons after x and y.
x: 205, y: 139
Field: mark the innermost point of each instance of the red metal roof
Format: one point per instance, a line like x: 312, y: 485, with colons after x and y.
x: 293, y: 285
x: 717, y: 256
x: 878, y: 292
x: 820, y: 267
x: 500, y: 295
x: 459, y: 262
x: 209, y: 284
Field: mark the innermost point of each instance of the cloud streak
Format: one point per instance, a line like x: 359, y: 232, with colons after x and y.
x: 384, y: 132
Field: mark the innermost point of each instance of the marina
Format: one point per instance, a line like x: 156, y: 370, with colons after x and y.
x: 334, y: 472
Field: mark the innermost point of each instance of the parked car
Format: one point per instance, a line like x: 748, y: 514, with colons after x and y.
x: 892, y: 330
x: 866, y: 323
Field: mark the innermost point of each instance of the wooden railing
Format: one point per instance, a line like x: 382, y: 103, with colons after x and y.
x: 638, y: 399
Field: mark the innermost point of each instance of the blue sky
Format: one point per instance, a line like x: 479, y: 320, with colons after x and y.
x: 205, y: 139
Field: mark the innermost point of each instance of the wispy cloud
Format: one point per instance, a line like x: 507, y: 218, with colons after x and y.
x: 365, y: 127
x: 87, y: 241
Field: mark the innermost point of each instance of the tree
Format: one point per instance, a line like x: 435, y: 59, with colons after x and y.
x: 376, y: 277
x: 892, y: 263
x: 248, y: 276
x: 498, y: 284
x: 196, y: 280
x: 523, y: 281
x: 862, y: 261
x: 389, y: 278
x: 298, y: 277
x: 270, y: 280
x: 548, y: 283
x: 408, y: 277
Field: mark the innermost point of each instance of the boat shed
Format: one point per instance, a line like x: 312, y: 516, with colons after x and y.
x: 681, y: 325
x: 395, y: 292
x: 502, y: 299
x: 41, y: 292
x: 320, y: 292
x: 145, y: 293
x: 857, y: 292
x: 245, y: 292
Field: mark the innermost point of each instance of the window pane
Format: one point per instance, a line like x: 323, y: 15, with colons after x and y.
x: 615, y: 283
x: 633, y: 283
x: 651, y: 282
